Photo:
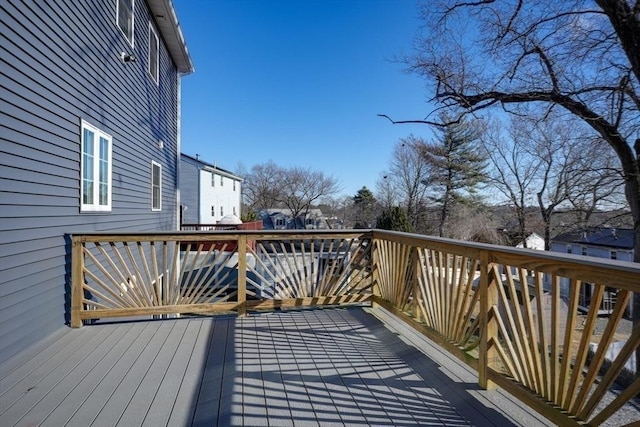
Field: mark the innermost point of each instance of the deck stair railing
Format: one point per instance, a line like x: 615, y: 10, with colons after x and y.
x: 511, y: 314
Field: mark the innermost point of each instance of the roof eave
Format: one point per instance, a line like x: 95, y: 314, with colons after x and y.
x: 167, y: 22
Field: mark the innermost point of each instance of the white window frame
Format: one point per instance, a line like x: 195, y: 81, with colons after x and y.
x: 95, y: 205
x: 234, y: 185
x: 155, y: 208
x: 213, y: 210
x: 221, y: 211
x: 130, y: 38
x: 151, y: 64
x: 613, y: 254
x: 221, y: 181
x: 213, y: 180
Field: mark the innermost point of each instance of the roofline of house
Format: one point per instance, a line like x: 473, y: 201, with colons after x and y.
x: 209, y: 166
x: 167, y: 22
x: 571, y: 237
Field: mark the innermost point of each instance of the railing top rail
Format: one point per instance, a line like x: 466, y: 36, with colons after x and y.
x: 192, y: 235
x: 617, y: 273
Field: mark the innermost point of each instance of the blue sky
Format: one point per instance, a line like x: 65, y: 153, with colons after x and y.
x: 300, y: 83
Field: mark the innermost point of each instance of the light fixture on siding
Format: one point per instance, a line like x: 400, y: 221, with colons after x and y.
x: 160, y: 144
x: 127, y: 57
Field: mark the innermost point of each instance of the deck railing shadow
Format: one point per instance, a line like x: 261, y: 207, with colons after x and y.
x: 511, y: 314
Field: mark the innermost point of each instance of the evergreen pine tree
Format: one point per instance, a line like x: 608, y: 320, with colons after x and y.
x: 458, y: 168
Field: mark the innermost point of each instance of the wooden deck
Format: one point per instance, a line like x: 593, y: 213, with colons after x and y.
x: 312, y: 367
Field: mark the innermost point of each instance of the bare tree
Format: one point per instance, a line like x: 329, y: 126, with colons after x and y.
x: 408, y: 173
x: 300, y: 188
x: 554, y: 162
x: 261, y: 187
x: 599, y: 186
x: 513, y: 169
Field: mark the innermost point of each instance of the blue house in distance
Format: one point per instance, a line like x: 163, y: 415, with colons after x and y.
x: 89, y: 138
x: 601, y: 242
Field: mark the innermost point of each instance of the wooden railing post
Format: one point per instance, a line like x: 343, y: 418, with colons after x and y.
x: 488, y: 324
x: 77, y: 280
x: 242, y: 275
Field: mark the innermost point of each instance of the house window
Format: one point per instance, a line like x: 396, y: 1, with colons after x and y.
x: 614, y: 255
x: 221, y: 210
x: 280, y: 222
x: 95, y: 169
x: 584, y: 250
x: 234, y: 185
x: 221, y: 180
x: 234, y: 210
x: 213, y: 210
x: 213, y: 179
x: 124, y: 13
x: 569, y: 249
x: 153, y: 54
x: 156, y: 186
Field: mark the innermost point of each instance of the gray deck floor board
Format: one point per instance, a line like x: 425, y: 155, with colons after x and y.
x: 121, y: 398
x: 95, y: 400
x: 304, y: 368
x: 97, y: 376
x: 187, y: 395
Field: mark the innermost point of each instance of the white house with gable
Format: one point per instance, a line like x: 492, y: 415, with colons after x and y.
x: 208, y: 192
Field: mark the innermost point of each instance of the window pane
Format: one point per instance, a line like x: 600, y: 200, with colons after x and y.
x: 87, y: 192
x: 153, y: 54
x: 104, y: 194
x: 125, y: 18
x: 103, y: 173
x: 87, y: 166
x: 156, y: 186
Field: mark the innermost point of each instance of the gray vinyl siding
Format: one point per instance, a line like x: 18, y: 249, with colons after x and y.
x: 189, y: 191
x: 59, y: 65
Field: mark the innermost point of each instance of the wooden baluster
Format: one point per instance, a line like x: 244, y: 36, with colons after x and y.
x: 242, y: 275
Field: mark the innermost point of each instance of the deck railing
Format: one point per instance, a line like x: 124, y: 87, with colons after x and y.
x: 512, y: 314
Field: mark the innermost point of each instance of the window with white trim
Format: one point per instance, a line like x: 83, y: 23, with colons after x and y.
x: 234, y: 210
x: 213, y: 179
x: 124, y: 18
x: 221, y: 180
x: 156, y: 186
x: 95, y: 169
x: 613, y: 254
x: 153, y: 54
x: 234, y: 185
x: 213, y: 210
x: 221, y: 210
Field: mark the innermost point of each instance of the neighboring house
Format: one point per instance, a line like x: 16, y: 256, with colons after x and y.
x: 207, y: 193
x: 89, y: 140
x: 282, y: 219
x: 610, y: 243
x: 532, y: 241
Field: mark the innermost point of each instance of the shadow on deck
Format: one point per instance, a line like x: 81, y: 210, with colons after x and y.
x: 349, y: 366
